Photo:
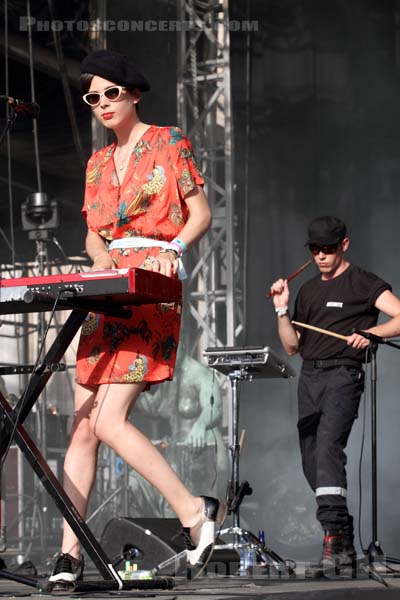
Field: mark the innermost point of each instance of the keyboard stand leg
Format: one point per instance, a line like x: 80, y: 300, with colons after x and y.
x: 38, y: 380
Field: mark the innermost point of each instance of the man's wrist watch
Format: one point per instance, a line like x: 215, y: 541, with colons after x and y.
x: 281, y: 310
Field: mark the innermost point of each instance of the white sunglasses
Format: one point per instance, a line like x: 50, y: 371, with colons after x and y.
x: 112, y: 93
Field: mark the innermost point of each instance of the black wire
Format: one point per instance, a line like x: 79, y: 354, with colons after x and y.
x: 11, y: 242
x: 22, y: 402
x: 33, y: 99
x: 59, y: 247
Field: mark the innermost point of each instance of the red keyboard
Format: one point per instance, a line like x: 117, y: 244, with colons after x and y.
x: 82, y: 290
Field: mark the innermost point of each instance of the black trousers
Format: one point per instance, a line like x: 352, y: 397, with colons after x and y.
x: 328, y: 405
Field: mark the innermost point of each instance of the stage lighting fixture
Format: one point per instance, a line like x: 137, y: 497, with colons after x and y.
x: 39, y: 215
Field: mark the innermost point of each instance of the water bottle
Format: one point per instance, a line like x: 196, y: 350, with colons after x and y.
x: 248, y: 559
x: 242, y: 560
x: 251, y: 559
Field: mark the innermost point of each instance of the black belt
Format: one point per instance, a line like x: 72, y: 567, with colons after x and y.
x: 331, y: 363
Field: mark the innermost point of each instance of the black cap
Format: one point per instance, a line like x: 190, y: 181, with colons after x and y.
x: 115, y: 67
x: 325, y: 231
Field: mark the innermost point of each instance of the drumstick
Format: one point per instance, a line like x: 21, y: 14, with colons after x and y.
x: 319, y: 330
x: 293, y: 275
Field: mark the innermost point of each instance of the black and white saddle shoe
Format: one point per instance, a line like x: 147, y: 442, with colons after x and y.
x: 67, y: 570
x: 200, y: 539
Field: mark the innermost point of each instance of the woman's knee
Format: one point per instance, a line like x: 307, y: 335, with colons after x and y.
x: 105, y: 430
x: 82, y: 433
x: 110, y: 431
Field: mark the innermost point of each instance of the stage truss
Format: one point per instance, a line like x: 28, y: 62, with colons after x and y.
x: 214, y: 292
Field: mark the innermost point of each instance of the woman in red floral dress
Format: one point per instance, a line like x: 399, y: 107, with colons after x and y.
x: 142, y: 192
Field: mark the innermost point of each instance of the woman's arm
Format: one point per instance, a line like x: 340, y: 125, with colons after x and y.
x: 97, y: 251
x: 197, y: 224
x: 199, y: 217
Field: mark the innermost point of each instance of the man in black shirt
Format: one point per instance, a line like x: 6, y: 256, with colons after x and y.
x: 340, y: 299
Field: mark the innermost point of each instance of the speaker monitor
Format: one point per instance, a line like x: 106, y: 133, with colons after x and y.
x: 145, y: 541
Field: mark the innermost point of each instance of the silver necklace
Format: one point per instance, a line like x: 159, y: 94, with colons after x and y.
x: 125, y: 161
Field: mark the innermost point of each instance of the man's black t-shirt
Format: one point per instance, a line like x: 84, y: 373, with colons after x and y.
x: 341, y: 304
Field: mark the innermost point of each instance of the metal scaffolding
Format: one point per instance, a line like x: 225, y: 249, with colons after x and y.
x: 213, y: 301
x: 98, y: 41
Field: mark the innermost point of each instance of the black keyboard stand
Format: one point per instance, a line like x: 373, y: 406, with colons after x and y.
x: 38, y: 380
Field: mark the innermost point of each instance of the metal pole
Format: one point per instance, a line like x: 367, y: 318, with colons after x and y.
x: 373, y: 449
x: 235, y: 447
x: 374, y: 551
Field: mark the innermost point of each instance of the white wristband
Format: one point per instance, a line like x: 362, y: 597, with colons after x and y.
x: 281, y: 310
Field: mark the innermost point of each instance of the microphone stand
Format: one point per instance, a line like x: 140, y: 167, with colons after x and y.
x: 374, y: 551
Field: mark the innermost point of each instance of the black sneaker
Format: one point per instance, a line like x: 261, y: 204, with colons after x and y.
x: 67, y: 569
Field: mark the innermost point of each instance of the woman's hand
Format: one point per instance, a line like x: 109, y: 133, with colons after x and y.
x: 166, y: 263
x: 102, y: 261
x: 97, y: 251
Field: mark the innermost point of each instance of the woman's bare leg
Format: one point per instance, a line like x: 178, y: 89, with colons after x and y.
x: 109, y: 419
x: 80, y: 462
x: 101, y: 414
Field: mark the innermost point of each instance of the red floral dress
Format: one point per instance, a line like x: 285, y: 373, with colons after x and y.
x: 149, y: 203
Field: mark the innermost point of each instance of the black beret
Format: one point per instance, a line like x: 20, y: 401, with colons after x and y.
x: 115, y: 67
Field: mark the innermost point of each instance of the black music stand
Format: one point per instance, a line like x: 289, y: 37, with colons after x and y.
x: 246, y: 364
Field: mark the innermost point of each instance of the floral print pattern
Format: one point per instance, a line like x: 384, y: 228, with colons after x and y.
x: 150, y: 203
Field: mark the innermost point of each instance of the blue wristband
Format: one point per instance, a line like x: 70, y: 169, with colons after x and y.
x: 180, y: 243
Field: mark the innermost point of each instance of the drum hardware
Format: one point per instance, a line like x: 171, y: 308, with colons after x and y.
x: 245, y: 364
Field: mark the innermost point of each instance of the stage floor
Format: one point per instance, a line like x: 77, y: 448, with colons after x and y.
x: 221, y: 587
